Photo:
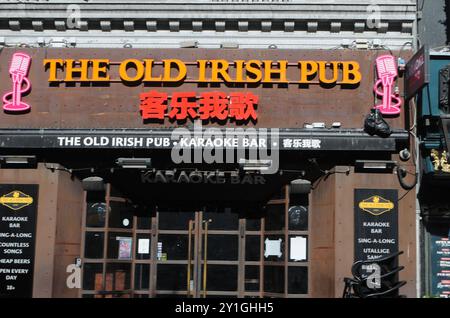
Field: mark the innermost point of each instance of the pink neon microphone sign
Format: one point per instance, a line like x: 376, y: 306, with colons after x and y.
x: 387, y: 72
x: 12, y: 101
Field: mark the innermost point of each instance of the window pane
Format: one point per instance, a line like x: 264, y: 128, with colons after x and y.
x: 251, y: 278
x: 121, y: 215
x: 93, y: 246
x: 171, y: 277
x: 95, y: 214
x: 144, y: 222
x: 173, y: 246
x: 222, y: 219
x: 223, y: 247
x: 222, y: 277
x: 280, y: 194
x: 298, y: 280
x: 253, y: 223
x: 142, y: 276
x: 274, y: 279
x: 117, y: 276
x: 252, y: 247
x: 120, y: 245
x: 143, y: 249
x: 298, y: 218
x: 274, y: 220
x: 92, y: 276
x: 175, y: 219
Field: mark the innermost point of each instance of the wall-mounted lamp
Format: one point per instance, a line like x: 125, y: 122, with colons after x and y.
x: 93, y: 184
x: 374, y: 166
x: 255, y: 165
x: 134, y: 163
x: 18, y: 162
x: 300, y: 186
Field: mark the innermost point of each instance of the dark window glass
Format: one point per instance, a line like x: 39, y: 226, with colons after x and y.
x: 275, y: 216
x: 117, y: 276
x: 87, y: 296
x: 253, y: 223
x: 222, y: 219
x: 93, y: 246
x: 175, y: 220
x: 251, y: 278
x: 298, y: 218
x: 222, y: 277
x: 120, y: 245
x: 144, y: 222
x: 143, y: 248
x: 92, y: 276
x: 171, y: 277
x: 141, y: 296
x: 302, y: 240
x: 223, y: 247
x: 252, y: 247
x: 297, y: 280
x: 95, y: 214
x: 270, y: 252
x: 274, y: 279
x: 121, y: 215
x: 280, y: 194
x: 142, y: 276
x: 174, y: 246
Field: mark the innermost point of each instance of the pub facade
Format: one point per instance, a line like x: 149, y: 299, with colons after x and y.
x: 202, y: 172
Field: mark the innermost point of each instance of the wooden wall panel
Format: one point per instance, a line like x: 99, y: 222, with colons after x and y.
x: 68, y: 232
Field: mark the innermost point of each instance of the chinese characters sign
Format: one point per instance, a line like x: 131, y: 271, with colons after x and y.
x: 209, y: 105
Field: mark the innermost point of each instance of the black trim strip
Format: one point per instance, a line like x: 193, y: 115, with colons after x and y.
x: 287, y: 139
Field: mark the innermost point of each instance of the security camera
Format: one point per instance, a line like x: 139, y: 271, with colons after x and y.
x: 405, y: 155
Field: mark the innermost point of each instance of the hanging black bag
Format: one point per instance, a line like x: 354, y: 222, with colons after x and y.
x: 374, y: 124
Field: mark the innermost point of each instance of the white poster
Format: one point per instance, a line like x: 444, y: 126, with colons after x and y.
x: 144, y: 246
x: 299, y: 245
x: 273, y: 248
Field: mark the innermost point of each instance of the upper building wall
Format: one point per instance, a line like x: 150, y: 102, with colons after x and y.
x: 211, y: 23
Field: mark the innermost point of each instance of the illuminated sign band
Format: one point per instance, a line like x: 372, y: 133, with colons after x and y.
x: 208, y: 71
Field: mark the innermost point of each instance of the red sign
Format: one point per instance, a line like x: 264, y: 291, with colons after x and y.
x: 209, y: 105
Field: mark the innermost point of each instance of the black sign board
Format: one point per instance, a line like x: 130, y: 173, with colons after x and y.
x: 417, y: 73
x: 376, y: 223
x: 18, y: 209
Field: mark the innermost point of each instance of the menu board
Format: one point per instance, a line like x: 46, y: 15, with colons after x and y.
x: 18, y: 209
x: 440, y: 265
x: 376, y: 223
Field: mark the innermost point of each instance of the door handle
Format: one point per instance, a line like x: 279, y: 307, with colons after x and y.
x: 188, y: 285
x: 205, y: 257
